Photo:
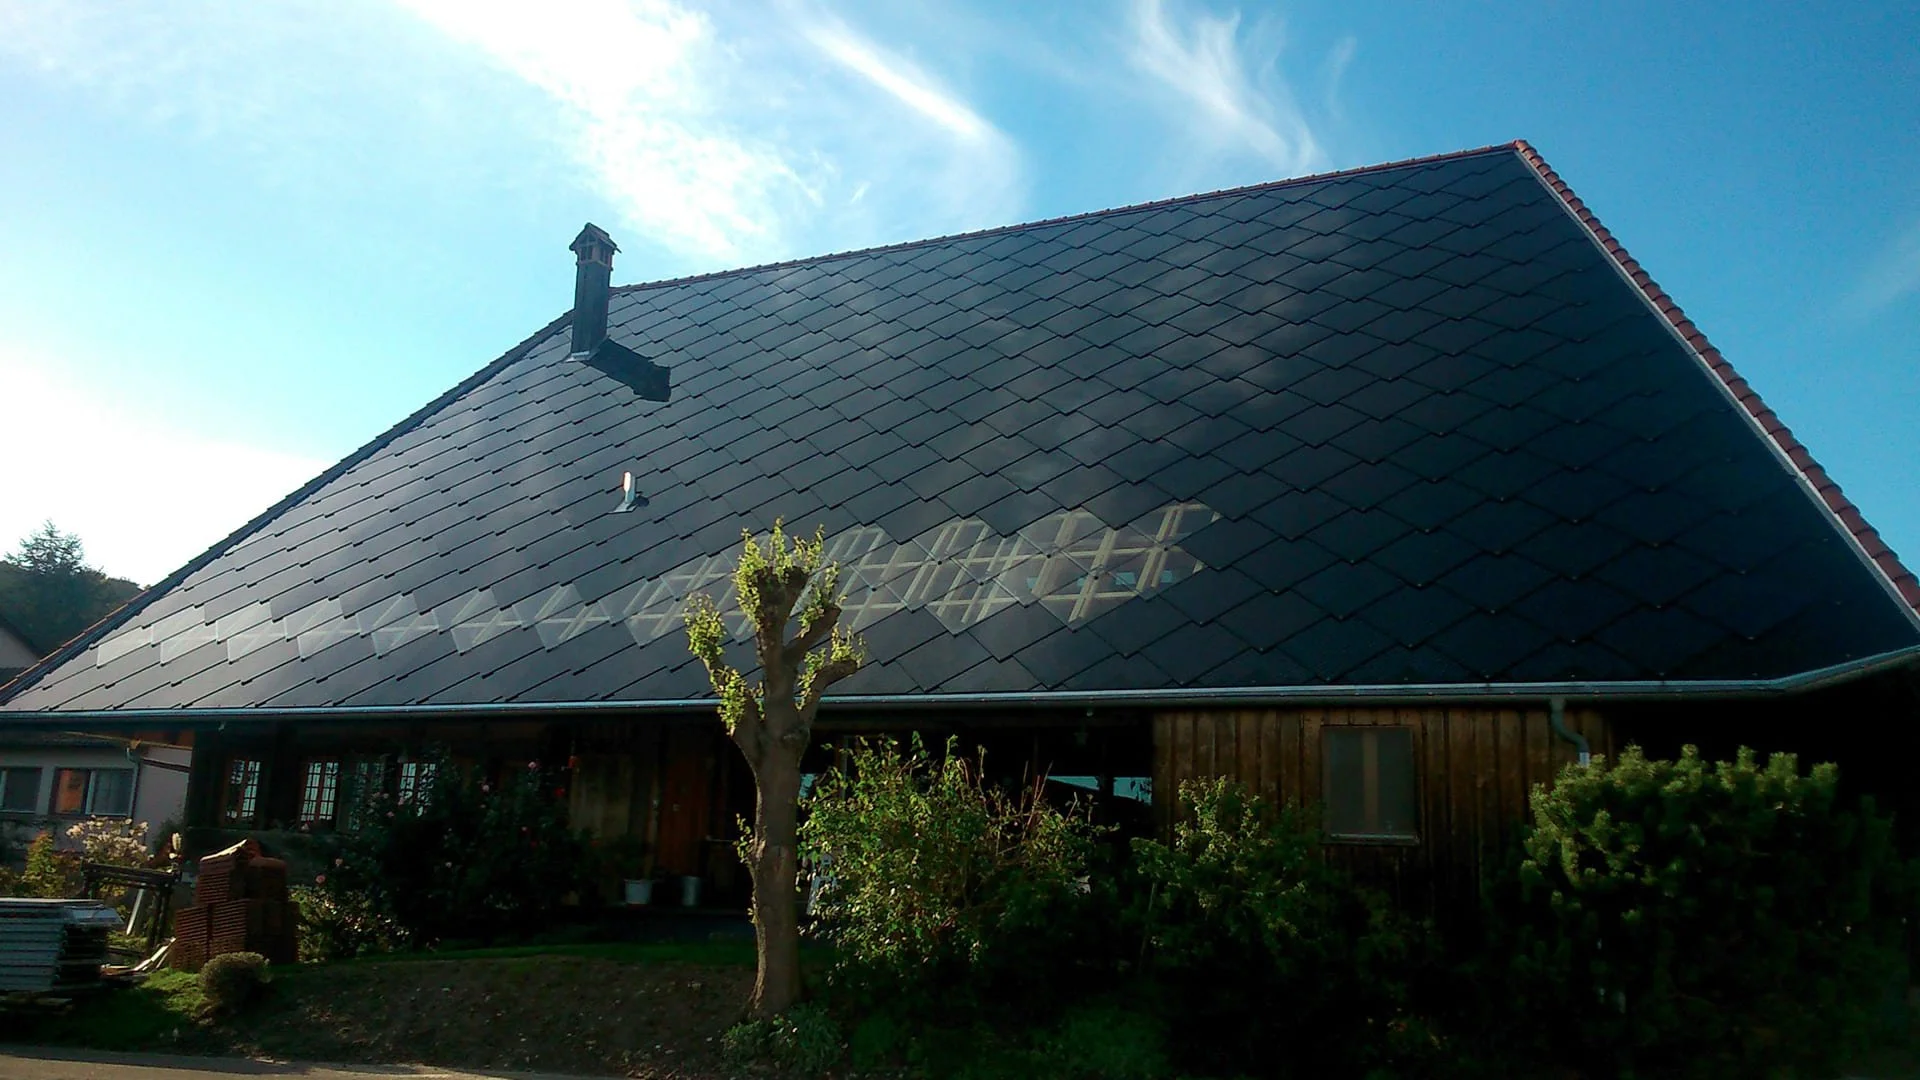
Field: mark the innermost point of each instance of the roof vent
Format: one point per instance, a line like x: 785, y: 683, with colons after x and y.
x: 631, y: 499
x: 592, y: 277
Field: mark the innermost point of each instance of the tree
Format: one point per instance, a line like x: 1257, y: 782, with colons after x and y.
x: 50, y: 594
x: 772, y: 723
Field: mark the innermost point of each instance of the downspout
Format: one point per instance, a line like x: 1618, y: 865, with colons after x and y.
x: 139, y: 772
x: 1557, y: 719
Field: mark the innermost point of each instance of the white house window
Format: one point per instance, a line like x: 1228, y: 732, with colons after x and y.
x: 321, y: 792
x: 1372, y: 790
x: 20, y: 791
x: 93, y: 792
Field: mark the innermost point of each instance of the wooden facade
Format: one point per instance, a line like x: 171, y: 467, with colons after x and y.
x: 1474, y: 767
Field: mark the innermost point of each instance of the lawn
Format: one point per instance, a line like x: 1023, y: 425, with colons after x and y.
x: 648, y: 1010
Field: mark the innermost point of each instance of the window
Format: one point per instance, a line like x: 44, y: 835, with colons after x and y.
x: 93, y: 792
x: 20, y: 791
x: 320, y: 793
x: 416, y: 780
x: 242, y: 803
x: 1372, y: 790
x: 369, y: 780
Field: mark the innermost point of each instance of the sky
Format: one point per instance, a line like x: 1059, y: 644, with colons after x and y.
x: 237, y: 241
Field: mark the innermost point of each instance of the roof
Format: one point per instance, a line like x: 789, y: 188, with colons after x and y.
x: 1422, y: 425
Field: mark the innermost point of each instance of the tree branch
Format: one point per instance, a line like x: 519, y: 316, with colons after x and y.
x: 831, y: 672
x: 818, y: 631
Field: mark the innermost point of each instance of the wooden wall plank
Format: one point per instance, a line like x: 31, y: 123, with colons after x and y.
x: 1270, y: 751
x: 1246, y: 727
x: 1510, y: 765
x: 1311, y: 721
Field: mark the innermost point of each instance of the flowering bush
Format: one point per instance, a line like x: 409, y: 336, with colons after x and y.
x: 460, y: 857
x: 111, y: 842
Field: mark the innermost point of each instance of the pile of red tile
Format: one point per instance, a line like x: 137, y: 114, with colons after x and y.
x: 240, y: 904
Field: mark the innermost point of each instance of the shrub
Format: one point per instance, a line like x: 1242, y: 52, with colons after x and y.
x: 50, y: 874
x: 1103, y: 1043
x: 941, y: 884
x: 1704, y: 919
x: 805, y: 1040
x: 465, y: 859
x: 232, y: 980
x: 1269, y: 960
x: 338, y: 924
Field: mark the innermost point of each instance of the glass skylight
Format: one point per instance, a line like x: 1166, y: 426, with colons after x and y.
x: 1071, y: 564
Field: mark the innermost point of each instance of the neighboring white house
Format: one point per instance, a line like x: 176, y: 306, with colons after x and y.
x: 49, y: 781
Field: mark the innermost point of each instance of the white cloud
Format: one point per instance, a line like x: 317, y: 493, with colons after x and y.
x: 144, y: 496
x: 718, y: 134
x: 640, y: 89
x: 1891, y: 275
x: 910, y: 86
x: 722, y: 135
x: 1199, y: 60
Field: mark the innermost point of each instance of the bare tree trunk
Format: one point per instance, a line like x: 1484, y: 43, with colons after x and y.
x: 776, y: 927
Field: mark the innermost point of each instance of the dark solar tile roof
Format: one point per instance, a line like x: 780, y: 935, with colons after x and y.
x: 1411, y: 425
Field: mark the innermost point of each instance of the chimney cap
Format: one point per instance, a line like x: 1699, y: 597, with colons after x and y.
x: 592, y: 237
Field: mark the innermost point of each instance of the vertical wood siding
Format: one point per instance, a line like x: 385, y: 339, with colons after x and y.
x: 1476, y: 768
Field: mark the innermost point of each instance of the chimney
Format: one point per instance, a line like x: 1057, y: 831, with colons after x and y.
x: 591, y: 280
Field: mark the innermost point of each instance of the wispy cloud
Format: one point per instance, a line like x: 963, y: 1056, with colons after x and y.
x: 1893, y: 274
x: 718, y: 133
x: 1235, y: 105
x: 639, y: 89
x: 144, y: 495
x: 735, y: 135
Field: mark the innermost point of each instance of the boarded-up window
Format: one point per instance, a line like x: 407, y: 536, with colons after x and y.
x: 1372, y: 792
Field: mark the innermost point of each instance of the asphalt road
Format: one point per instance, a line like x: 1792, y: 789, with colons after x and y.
x: 17, y: 1063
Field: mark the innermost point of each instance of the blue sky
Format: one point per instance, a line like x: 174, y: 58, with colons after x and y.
x: 239, y: 240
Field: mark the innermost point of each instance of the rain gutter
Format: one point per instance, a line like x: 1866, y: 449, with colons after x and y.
x: 1405, y: 694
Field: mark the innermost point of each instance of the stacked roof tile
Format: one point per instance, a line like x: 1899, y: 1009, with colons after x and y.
x: 1407, y: 426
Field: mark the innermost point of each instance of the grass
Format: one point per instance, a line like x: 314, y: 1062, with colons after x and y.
x: 155, y: 1013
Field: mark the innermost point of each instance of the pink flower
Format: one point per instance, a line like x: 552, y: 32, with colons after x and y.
x: 533, y: 766
x: 319, y: 879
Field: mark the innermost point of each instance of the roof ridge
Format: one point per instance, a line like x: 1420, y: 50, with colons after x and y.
x: 118, y: 617
x: 1000, y: 230
x: 1878, y: 553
